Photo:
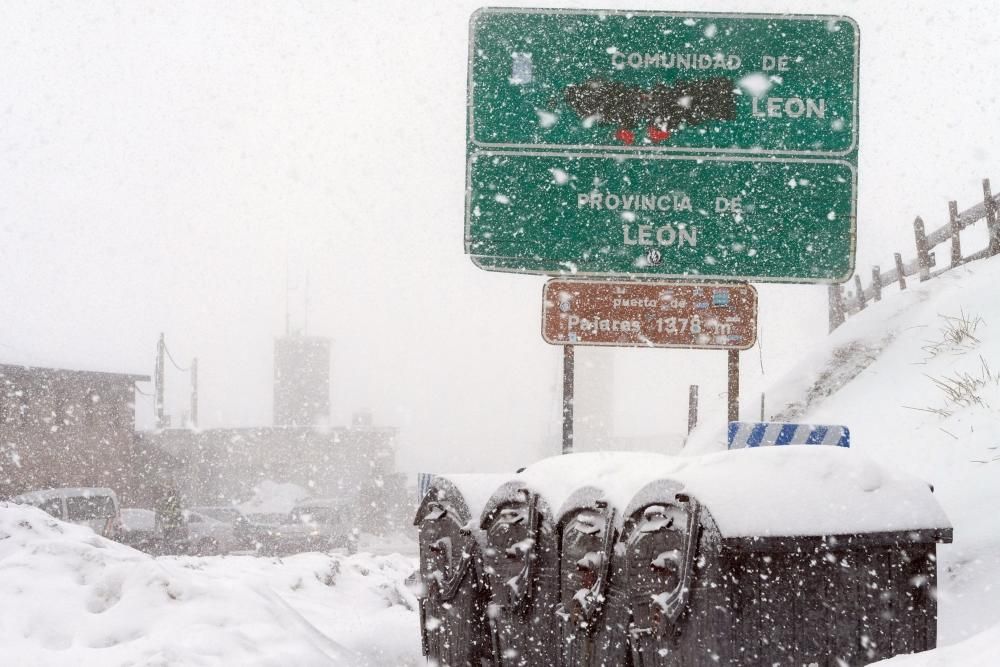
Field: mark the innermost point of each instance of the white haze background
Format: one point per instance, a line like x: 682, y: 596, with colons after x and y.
x: 162, y: 163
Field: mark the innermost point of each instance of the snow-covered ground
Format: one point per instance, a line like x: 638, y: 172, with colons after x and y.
x: 73, y: 598
x: 916, y: 378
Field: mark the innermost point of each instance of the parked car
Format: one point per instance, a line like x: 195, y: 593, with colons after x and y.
x: 94, y: 507
x: 202, y: 532
x: 260, y: 532
x: 212, y: 530
x: 225, y: 513
x: 139, y: 529
x: 317, y: 524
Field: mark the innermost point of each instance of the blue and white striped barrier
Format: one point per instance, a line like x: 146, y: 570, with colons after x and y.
x: 764, y: 434
x: 424, y: 480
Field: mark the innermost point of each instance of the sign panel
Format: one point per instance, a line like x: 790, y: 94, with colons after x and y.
x: 763, y: 434
x: 633, y: 314
x: 679, y: 217
x: 663, y: 82
x: 706, y: 146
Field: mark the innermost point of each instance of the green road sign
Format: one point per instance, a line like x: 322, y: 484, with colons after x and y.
x: 669, y: 145
x: 660, y: 82
x: 664, y: 216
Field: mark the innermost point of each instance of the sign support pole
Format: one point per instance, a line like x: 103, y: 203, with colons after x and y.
x: 734, y: 385
x: 692, y: 407
x: 567, y: 408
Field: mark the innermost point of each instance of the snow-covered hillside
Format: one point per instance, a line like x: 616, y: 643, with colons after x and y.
x: 73, y: 598
x: 916, y: 378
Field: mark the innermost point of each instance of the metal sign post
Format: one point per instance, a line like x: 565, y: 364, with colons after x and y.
x: 692, y: 407
x: 733, y: 391
x: 567, y: 406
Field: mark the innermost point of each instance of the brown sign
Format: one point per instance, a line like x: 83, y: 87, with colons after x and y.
x: 707, y: 316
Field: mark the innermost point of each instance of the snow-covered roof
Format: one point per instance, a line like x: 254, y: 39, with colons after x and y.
x: 48, y: 350
x: 42, y: 495
x: 761, y: 492
x: 67, y: 368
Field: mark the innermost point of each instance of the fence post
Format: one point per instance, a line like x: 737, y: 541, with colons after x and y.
x: 923, y: 254
x: 837, y: 316
x: 956, y: 243
x: 876, y: 283
x: 900, y: 270
x: 861, y: 292
x: 991, y: 218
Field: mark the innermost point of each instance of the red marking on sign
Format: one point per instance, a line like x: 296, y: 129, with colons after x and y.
x: 625, y: 135
x: 657, y: 135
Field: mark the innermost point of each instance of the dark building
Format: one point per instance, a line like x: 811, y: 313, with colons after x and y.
x: 62, y: 427
x: 301, y: 380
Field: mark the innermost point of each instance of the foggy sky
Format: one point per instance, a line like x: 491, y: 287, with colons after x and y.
x: 163, y: 164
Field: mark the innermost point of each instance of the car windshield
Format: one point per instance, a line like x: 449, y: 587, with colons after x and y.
x: 82, y: 508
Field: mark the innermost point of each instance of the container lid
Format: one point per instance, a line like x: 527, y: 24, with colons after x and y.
x: 803, y: 491
x: 465, y: 493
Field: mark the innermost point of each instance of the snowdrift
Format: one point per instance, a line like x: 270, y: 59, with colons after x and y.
x: 71, y: 597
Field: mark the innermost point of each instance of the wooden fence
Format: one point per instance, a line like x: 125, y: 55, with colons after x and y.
x: 924, y: 264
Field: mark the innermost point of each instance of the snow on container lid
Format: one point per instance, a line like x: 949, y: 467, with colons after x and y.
x: 515, y: 491
x: 466, y: 493
x: 803, y: 491
x: 617, y: 474
x: 584, y: 497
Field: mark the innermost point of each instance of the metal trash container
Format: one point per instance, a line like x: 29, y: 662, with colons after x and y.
x: 591, y: 620
x: 787, y: 556
x: 660, y: 542
x: 521, y: 561
x: 453, y: 601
